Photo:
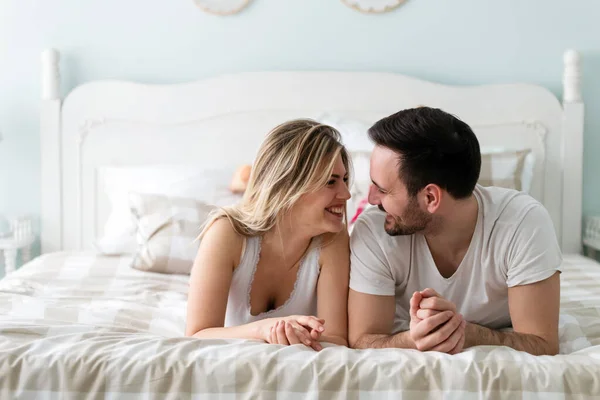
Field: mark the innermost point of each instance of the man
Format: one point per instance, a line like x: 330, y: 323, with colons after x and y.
x: 443, y: 263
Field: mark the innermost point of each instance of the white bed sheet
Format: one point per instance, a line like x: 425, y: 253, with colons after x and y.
x: 75, y: 325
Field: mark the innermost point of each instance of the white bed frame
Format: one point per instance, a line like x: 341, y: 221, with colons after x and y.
x: 220, y: 121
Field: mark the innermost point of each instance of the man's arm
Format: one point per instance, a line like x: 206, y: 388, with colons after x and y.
x: 371, y: 298
x: 371, y: 319
x: 534, y: 310
x: 372, y: 302
x: 401, y: 340
x: 533, y: 261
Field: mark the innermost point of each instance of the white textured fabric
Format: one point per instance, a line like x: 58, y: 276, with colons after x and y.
x: 302, y: 300
x: 514, y: 243
x: 81, y: 326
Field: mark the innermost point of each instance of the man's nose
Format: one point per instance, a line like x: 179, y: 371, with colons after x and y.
x: 373, y: 196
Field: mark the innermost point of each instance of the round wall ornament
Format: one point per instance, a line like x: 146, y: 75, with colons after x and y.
x: 222, y: 7
x: 373, y: 6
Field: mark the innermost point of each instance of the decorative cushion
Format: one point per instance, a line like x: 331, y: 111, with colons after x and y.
x: 504, y: 169
x: 166, y: 231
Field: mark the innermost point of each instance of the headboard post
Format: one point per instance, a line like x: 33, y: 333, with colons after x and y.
x: 50, y: 140
x: 572, y: 179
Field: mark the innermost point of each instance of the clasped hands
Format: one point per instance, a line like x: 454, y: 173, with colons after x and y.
x: 434, y: 323
x: 294, y: 329
x: 434, y: 326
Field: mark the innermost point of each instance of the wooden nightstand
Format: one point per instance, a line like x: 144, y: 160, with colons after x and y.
x: 20, y: 239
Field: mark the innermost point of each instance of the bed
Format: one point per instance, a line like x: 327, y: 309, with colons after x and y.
x: 78, y: 322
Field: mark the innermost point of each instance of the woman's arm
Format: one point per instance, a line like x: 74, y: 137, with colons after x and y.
x: 332, y: 288
x: 219, y: 252
x: 210, y: 280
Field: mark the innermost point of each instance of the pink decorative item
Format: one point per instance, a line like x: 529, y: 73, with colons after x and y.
x: 361, y: 207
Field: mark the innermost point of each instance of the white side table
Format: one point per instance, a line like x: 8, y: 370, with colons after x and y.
x: 21, y: 239
x: 591, y: 236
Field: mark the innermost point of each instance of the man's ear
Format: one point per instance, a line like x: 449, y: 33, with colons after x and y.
x: 432, y: 197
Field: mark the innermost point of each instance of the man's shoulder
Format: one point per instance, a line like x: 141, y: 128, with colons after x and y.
x: 371, y: 216
x: 508, y: 214
x: 370, y: 224
x: 503, y: 204
x: 371, y: 221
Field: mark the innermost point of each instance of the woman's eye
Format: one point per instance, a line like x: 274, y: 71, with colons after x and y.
x: 331, y: 182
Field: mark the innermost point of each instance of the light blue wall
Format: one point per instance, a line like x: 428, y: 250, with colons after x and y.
x: 457, y: 41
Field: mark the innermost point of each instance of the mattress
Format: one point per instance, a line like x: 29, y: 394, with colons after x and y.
x: 79, y: 325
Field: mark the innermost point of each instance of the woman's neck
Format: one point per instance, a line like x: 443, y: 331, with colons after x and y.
x: 287, y: 240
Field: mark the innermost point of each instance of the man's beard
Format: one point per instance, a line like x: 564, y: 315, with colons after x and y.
x: 414, y: 219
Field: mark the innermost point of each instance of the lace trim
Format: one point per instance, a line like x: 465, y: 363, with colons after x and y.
x: 311, y: 253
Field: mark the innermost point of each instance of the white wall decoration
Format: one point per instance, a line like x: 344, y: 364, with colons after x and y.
x: 222, y: 7
x: 373, y: 6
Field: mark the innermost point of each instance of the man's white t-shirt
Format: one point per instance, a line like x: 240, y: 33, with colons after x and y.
x: 514, y: 243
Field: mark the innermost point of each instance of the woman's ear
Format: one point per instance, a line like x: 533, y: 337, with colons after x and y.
x: 239, y: 182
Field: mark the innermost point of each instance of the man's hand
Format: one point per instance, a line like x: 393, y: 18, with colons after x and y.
x: 432, y: 303
x: 434, y: 323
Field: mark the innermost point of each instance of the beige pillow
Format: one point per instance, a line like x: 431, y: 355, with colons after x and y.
x: 503, y: 168
x: 166, y: 232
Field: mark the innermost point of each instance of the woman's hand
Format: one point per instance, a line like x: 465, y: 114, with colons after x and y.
x: 294, y: 329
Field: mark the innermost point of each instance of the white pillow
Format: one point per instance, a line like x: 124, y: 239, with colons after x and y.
x: 208, y: 185
x: 353, y: 132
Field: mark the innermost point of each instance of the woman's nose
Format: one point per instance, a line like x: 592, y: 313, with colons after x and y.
x: 344, y: 193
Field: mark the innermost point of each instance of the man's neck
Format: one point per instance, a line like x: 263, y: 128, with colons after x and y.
x: 451, y: 236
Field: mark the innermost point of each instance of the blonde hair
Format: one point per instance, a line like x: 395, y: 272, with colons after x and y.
x: 296, y: 157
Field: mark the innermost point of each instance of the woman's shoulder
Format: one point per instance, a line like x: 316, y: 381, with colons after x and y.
x: 334, y: 246
x: 221, y: 236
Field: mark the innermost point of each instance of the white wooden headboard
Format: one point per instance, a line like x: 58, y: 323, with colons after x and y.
x: 221, y: 121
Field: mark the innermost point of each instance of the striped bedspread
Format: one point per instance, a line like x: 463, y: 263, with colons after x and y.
x: 79, y: 326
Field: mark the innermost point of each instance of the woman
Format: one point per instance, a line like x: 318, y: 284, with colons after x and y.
x: 276, y: 266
